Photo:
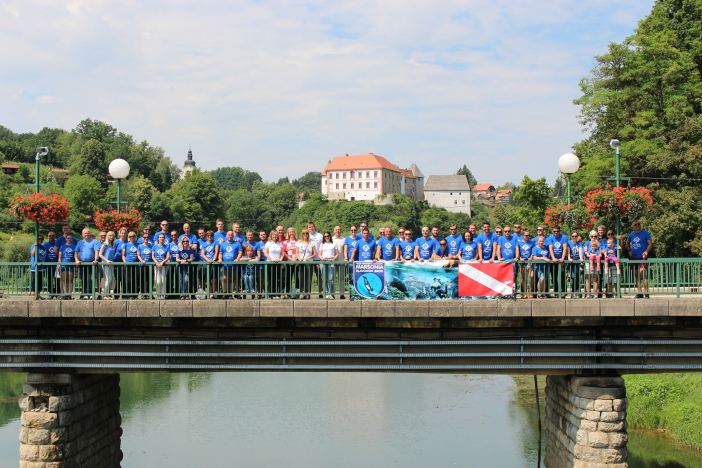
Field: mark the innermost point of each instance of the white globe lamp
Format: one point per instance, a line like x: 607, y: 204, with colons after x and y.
x: 118, y: 169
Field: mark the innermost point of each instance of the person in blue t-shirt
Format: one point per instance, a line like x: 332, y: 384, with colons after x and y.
x: 130, y: 256
x: 470, y: 250
x: 145, y: 234
x: 407, y: 246
x: 238, y: 236
x: 435, y: 234
x: 542, y: 255
x: 66, y: 229
x: 144, y: 253
x: 37, y: 254
x: 228, y: 253
x: 576, y: 256
x: 350, y: 244
x: 259, y: 248
x: 557, y: 244
x: 209, y: 253
x: 442, y: 251
x: 525, y: 245
x: 507, y: 246
x: 220, y: 234
x: 453, y: 242
x: 388, y: 247
x: 107, y: 254
x: 424, y: 246
x: 160, y: 255
x: 486, y: 240
x: 192, y: 238
x: 52, y: 251
x: 186, y: 255
x: 639, y: 246
x: 84, y: 256
x: 359, y: 233
x: 164, y: 230
x: 365, y: 247
x: 66, y: 258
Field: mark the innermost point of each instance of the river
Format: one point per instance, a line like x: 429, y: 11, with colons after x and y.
x: 315, y: 420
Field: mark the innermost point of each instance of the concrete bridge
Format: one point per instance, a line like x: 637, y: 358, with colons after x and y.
x: 73, y: 352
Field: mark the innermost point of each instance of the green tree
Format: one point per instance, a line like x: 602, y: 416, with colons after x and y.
x: 91, y: 161
x: 235, y: 178
x: 85, y: 195
x: 533, y: 194
x: 469, y: 175
x: 309, y: 183
x: 196, y: 198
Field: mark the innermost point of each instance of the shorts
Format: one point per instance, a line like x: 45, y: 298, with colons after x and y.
x: 69, y: 269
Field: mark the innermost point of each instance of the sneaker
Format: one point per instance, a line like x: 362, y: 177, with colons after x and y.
x: 330, y: 297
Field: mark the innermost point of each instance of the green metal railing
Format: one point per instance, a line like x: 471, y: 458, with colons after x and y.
x: 199, y: 280
x: 661, y: 276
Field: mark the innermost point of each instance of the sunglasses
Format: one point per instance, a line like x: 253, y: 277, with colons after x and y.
x: 442, y: 244
x: 499, y: 232
x: 574, y: 235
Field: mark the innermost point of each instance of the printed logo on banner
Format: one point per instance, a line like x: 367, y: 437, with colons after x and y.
x: 369, y: 278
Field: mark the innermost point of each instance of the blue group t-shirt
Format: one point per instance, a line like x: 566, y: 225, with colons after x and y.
x: 192, y: 238
x: 110, y: 252
x: 427, y: 246
x: 220, y: 237
x: 230, y: 251
x: 67, y: 251
x: 453, y: 243
x: 259, y: 250
x: 86, y: 250
x: 366, y: 249
x: 145, y: 251
x: 207, y: 250
x: 574, y: 248
x: 351, y: 243
x: 52, y: 250
x: 558, y: 243
x: 540, y: 253
x: 469, y: 250
x: 160, y: 252
x: 525, y: 248
x: 508, y: 247
x: 639, y: 243
x: 407, y: 249
x: 32, y: 258
x: 487, y: 243
x: 387, y: 248
x: 173, y: 250
x: 185, y: 254
x: 130, y: 252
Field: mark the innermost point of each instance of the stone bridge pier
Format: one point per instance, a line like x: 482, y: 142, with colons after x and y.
x: 70, y: 421
x: 585, y: 423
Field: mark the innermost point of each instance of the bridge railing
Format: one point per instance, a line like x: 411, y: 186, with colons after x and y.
x: 663, y: 276
x: 249, y: 279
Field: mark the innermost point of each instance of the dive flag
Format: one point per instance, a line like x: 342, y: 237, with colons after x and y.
x: 485, y: 279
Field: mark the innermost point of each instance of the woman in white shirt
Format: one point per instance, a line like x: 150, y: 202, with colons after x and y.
x: 328, y: 252
x: 306, y: 252
x: 273, y: 250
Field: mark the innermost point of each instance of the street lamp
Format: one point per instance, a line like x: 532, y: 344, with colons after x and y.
x: 41, y: 151
x: 118, y: 169
x: 568, y: 164
x: 615, y: 144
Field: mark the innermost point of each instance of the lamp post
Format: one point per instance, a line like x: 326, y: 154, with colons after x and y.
x: 118, y: 169
x: 615, y: 144
x: 568, y: 165
x: 41, y: 151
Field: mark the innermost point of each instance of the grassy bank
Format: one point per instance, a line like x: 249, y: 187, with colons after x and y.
x: 669, y: 402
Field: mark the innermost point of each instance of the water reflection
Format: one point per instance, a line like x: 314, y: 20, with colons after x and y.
x: 316, y: 420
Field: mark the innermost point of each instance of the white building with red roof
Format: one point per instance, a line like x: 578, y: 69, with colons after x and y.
x: 370, y: 177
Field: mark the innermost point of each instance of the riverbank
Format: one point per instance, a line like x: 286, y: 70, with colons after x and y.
x: 668, y: 402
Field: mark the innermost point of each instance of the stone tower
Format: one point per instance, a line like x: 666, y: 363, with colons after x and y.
x: 188, y: 165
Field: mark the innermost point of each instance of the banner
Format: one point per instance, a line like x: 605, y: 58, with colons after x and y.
x: 435, y: 280
x: 485, y: 279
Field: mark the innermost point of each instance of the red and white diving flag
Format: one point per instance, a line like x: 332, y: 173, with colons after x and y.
x: 485, y: 279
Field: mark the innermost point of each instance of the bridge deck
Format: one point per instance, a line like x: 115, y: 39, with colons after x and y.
x: 654, y: 307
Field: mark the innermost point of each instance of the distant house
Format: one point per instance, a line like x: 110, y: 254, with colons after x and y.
x: 450, y: 192
x: 503, y: 196
x: 484, y: 191
x: 9, y: 168
x: 59, y: 174
x: 369, y: 177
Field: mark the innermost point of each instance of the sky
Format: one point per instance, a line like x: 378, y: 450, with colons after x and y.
x: 281, y: 87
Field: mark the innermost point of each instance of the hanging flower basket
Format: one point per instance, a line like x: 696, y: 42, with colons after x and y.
x: 47, y: 209
x: 113, y: 220
x: 611, y: 202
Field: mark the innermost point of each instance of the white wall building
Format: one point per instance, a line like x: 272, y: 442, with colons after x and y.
x: 369, y: 177
x: 451, y: 192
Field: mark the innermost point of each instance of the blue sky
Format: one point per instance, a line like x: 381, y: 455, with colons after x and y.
x: 280, y: 87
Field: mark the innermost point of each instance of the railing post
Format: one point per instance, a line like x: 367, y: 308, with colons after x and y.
x: 678, y: 273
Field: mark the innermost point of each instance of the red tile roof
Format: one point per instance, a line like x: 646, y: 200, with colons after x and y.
x: 483, y: 187
x: 360, y: 161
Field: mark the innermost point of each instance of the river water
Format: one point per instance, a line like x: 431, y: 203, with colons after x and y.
x: 315, y: 420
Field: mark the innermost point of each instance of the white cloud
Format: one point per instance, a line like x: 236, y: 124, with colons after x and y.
x: 279, y: 87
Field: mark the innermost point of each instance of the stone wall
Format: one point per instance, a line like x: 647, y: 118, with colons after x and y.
x: 585, y: 424
x: 70, y: 421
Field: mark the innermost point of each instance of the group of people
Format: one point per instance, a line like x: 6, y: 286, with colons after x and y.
x: 232, y: 262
